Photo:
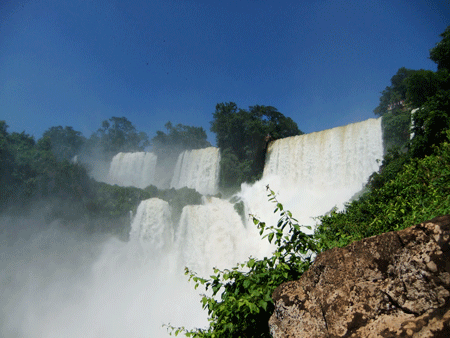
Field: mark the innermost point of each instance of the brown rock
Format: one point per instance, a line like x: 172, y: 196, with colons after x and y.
x: 393, y: 285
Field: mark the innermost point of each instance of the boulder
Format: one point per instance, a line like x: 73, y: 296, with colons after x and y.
x: 393, y: 285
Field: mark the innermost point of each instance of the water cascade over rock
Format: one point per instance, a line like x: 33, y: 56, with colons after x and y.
x: 198, y: 169
x: 311, y: 174
x: 130, y: 289
x: 213, y: 235
x: 132, y: 169
x: 330, y: 159
x: 315, y: 172
x: 152, y: 226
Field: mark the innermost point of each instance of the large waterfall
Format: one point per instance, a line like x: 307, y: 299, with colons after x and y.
x: 118, y: 289
x: 330, y: 159
x: 311, y: 174
x: 315, y: 172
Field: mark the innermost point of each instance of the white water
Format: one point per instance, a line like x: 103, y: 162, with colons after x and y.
x: 315, y: 172
x: 152, y: 226
x: 198, y: 169
x: 133, y: 169
x: 131, y: 289
x: 213, y: 235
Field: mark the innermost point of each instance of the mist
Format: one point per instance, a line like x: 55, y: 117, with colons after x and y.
x: 57, y: 282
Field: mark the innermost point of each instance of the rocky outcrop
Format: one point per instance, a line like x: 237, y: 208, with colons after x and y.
x: 393, y: 285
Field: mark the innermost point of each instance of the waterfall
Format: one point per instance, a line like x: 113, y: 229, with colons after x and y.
x: 330, y: 159
x: 311, y: 174
x: 315, y: 172
x: 152, y: 225
x: 198, y: 169
x: 133, y: 169
x: 213, y: 235
x: 58, y: 286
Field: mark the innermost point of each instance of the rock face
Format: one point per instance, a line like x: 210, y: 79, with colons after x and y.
x: 393, y: 285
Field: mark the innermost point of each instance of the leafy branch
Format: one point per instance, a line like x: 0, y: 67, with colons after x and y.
x: 241, y: 297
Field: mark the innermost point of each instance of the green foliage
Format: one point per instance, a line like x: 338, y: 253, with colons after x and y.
x: 169, y: 145
x: 234, y: 171
x: 179, y: 138
x: 241, y: 301
x: 419, y: 191
x: 116, y: 135
x: 392, y: 164
x: 31, y: 172
x: 424, y: 84
x: 107, y: 208
x: 430, y: 123
x: 178, y: 199
x: 242, y: 136
x: 416, y: 88
x: 110, y: 201
x: 441, y: 52
x: 6, y: 164
x: 395, y: 93
x: 65, y: 142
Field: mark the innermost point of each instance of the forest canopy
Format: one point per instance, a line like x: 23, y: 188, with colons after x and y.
x: 179, y: 138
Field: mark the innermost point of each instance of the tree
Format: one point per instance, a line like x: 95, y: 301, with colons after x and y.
x: 422, y: 85
x: 393, y: 97
x: 179, y: 138
x: 65, y: 142
x: 441, y: 52
x: 430, y: 123
x: 243, y: 135
x: 118, y: 135
x: 6, y: 165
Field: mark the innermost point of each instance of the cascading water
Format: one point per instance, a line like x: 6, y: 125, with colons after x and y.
x: 133, y: 169
x: 311, y: 173
x: 152, y: 226
x: 133, y: 288
x: 198, y: 169
x: 315, y: 172
x: 213, y: 235
x: 334, y: 158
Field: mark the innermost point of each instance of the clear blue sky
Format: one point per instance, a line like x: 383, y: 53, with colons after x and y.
x: 322, y: 63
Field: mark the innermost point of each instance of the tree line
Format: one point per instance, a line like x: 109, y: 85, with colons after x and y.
x: 56, y: 167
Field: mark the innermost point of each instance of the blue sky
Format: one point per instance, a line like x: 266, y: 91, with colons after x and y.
x: 322, y: 63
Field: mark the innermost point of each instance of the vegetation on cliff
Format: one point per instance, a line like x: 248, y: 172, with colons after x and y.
x: 44, y: 173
